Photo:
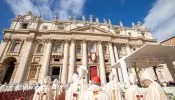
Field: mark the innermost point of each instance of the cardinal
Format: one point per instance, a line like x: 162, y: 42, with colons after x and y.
x: 95, y: 91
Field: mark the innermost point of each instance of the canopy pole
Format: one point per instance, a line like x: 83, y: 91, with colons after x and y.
x: 171, y: 68
x: 124, y: 71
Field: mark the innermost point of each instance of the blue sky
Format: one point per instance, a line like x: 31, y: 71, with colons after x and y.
x: 158, y: 15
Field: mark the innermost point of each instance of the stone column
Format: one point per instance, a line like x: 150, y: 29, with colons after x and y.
x: 23, y: 63
x: 111, y: 51
x: 128, y: 52
x: 85, y: 57
x: 3, y: 45
x: 46, y: 62
x: 72, y: 60
x: 102, y: 63
x: 124, y: 71
x: 65, y: 62
x: 3, y: 70
x: 119, y: 69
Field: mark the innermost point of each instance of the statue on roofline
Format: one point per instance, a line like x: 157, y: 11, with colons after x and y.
x: 109, y: 21
x: 74, y: 17
x: 105, y: 22
x: 97, y: 20
x: 70, y: 17
x: 121, y: 23
x: 91, y: 18
x: 83, y: 18
x: 133, y: 24
x: 55, y: 17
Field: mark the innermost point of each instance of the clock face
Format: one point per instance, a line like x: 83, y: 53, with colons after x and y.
x: 27, y: 18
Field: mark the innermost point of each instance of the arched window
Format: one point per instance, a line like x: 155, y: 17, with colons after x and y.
x: 91, y: 48
x: 58, y: 48
x: 16, y: 47
x: 39, y: 49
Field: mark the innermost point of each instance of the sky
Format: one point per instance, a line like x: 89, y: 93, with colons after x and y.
x: 157, y: 15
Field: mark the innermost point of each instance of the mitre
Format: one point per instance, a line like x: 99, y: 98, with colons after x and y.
x: 111, y: 76
x: 132, y: 78
x: 74, y: 78
x: 47, y: 80
x: 82, y: 71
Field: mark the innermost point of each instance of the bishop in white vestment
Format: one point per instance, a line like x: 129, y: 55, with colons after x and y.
x: 154, y: 91
x: 56, y: 89
x: 113, y: 88
x: 79, y: 86
x: 132, y: 92
x: 45, y: 91
x: 70, y: 90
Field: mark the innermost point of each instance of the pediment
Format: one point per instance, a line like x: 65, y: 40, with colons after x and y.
x: 91, y: 29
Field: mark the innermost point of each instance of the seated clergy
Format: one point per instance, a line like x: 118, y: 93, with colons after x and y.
x: 154, y: 91
x: 95, y: 92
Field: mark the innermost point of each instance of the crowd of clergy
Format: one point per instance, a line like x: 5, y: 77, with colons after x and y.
x: 79, y: 89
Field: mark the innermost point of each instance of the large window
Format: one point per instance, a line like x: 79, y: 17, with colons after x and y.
x: 33, y: 71
x: 120, y: 52
x: 79, y: 49
x: 39, y: 49
x: 16, y: 47
x: 91, y: 49
x: 104, y: 49
x: 58, y: 48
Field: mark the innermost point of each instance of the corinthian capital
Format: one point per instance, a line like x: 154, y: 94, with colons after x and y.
x: 66, y: 41
x: 72, y: 40
x: 109, y: 43
x: 84, y: 41
x: 49, y: 40
x: 30, y: 39
x: 5, y: 39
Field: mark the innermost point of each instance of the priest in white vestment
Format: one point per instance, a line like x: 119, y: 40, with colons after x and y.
x: 154, y: 91
x: 132, y: 92
x: 56, y: 89
x: 44, y: 92
x: 80, y: 85
x: 113, y: 88
x: 69, y: 92
x: 95, y: 91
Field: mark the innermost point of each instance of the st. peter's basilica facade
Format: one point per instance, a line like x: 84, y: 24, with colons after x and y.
x: 33, y: 48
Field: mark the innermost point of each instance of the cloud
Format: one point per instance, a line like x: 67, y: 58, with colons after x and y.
x: 48, y: 8
x: 161, y: 19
